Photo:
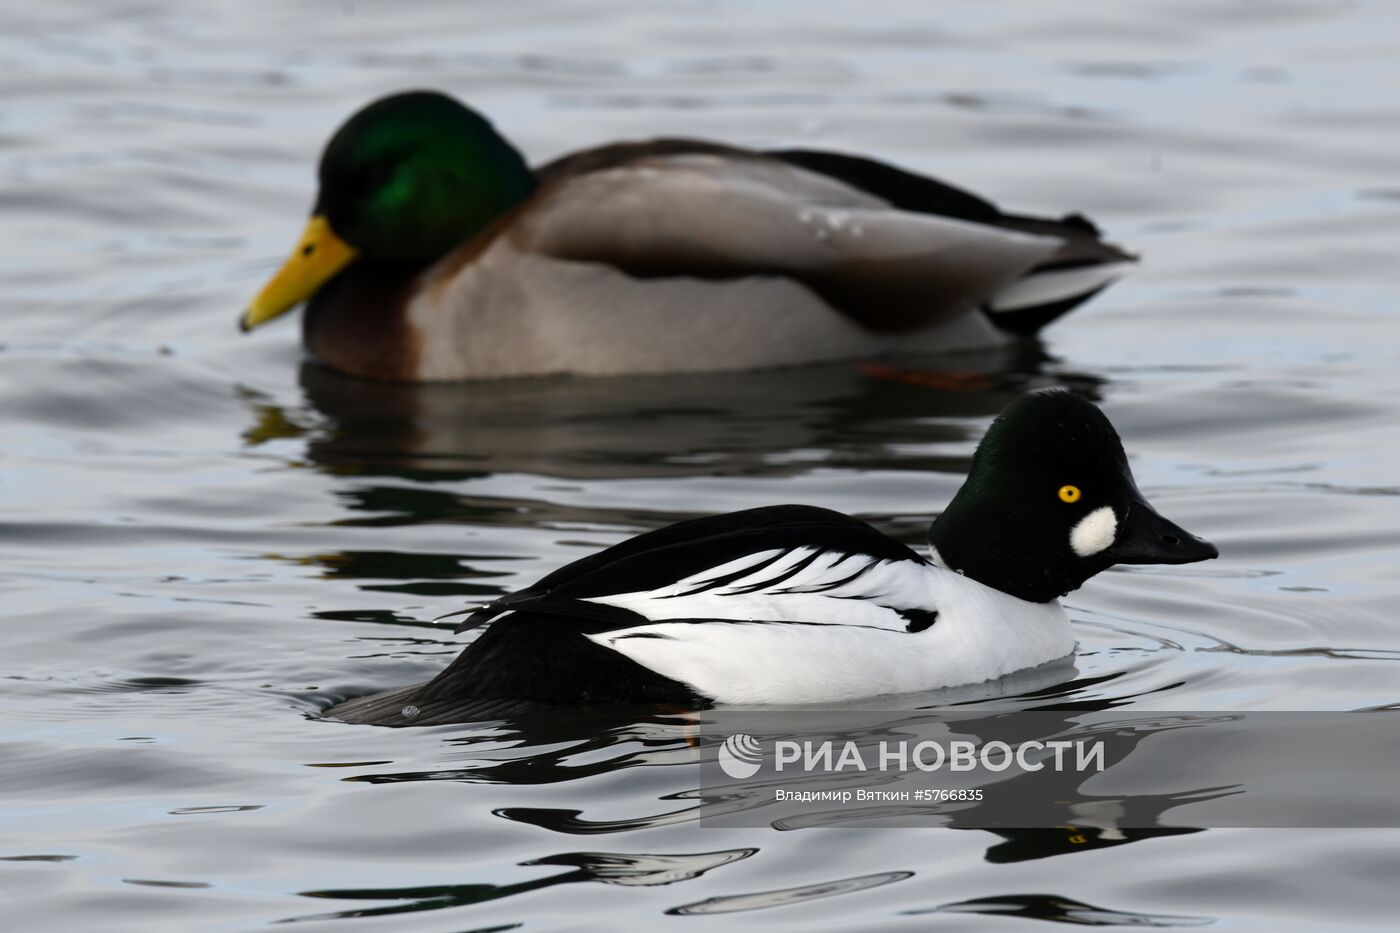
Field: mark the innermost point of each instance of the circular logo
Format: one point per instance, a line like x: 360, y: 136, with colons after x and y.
x: 740, y: 756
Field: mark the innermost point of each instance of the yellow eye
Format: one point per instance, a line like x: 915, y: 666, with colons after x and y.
x: 1069, y: 493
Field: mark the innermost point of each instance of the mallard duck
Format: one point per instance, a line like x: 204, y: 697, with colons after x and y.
x: 797, y: 604
x: 434, y: 252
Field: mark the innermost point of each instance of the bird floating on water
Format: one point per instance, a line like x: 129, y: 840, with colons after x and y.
x: 434, y: 252
x: 794, y: 604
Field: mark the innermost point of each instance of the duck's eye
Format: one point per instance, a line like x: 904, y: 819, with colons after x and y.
x: 1069, y: 493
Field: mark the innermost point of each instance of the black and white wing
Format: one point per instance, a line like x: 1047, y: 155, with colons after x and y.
x: 779, y: 564
x: 680, y: 615
x: 786, y: 604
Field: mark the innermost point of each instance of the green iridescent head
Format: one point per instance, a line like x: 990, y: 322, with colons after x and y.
x: 413, y: 175
x: 403, y: 181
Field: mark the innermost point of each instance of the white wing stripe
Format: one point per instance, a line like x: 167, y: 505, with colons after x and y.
x: 706, y: 578
x: 802, y: 585
x: 826, y: 586
x: 819, y: 570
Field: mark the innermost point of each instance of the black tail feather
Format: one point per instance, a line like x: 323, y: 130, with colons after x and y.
x: 524, y: 661
x: 406, y: 706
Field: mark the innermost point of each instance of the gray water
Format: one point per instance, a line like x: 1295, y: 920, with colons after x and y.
x: 206, y: 542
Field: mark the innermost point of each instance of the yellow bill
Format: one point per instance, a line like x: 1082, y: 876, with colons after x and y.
x: 319, y: 254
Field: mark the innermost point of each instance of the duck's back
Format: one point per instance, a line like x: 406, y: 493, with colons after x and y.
x: 678, y: 256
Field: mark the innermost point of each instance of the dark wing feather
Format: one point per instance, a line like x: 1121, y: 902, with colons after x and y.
x: 904, y: 190
x: 924, y: 195
x: 660, y: 558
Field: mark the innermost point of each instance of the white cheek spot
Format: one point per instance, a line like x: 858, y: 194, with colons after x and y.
x: 1094, y: 531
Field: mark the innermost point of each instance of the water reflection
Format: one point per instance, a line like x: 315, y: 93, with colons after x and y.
x: 1063, y: 910
x: 782, y: 897
x: 557, y: 747
x: 773, y: 422
x: 1024, y: 845
x: 432, y: 574
x: 619, y: 868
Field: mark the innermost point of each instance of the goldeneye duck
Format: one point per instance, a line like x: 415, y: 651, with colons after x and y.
x: 795, y: 604
x: 435, y: 252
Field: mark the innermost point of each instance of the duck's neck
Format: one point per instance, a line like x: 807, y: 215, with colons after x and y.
x: 986, y: 547
x: 358, y: 323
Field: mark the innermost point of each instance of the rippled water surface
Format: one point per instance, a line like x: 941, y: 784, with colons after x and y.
x: 206, y: 541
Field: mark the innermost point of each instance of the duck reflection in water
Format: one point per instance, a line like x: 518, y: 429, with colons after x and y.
x: 764, y: 423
